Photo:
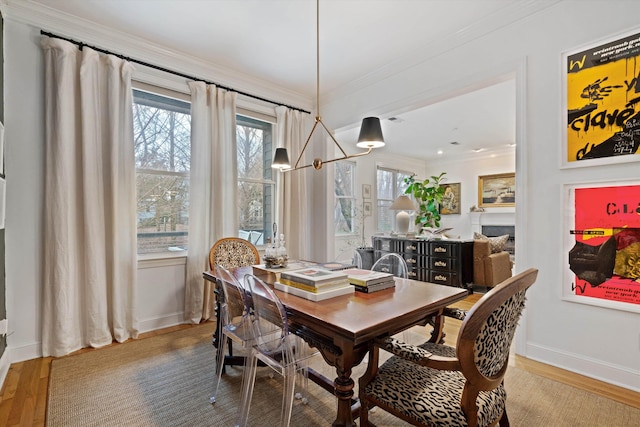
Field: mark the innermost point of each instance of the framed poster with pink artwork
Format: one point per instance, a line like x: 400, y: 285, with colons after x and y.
x: 602, y: 244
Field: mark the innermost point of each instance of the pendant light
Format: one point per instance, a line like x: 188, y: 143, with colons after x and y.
x: 370, y: 132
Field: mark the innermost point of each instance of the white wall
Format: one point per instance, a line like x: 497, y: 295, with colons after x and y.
x: 598, y: 342
x: 466, y: 172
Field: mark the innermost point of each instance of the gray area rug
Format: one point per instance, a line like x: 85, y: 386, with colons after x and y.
x: 167, y: 380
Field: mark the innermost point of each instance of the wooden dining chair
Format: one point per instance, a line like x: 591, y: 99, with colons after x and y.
x: 438, y: 385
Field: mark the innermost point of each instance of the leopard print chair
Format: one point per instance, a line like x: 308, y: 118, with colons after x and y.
x: 437, y: 385
x: 233, y: 252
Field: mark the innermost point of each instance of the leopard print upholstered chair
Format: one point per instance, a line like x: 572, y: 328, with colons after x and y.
x: 438, y: 385
x: 233, y: 252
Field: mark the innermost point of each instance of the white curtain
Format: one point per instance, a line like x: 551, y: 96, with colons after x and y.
x: 213, y: 206
x: 291, y: 132
x: 89, y: 208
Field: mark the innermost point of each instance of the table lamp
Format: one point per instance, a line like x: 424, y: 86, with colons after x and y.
x: 402, y: 204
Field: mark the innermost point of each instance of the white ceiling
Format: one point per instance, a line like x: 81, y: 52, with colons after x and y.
x: 275, y: 40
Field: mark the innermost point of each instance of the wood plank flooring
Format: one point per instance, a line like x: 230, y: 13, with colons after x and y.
x: 23, y: 398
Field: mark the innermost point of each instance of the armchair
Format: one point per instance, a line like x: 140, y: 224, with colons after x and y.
x: 489, y: 268
x: 438, y: 385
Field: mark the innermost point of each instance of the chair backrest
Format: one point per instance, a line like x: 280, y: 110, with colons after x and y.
x: 270, y: 325
x: 487, y: 332
x: 233, y: 252
x: 350, y: 256
x: 392, y: 263
x: 235, y: 295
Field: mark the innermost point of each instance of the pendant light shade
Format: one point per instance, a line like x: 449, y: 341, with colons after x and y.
x: 370, y: 133
x: 281, y: 159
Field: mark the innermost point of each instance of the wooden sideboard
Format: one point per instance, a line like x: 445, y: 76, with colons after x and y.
x: 446, y: 262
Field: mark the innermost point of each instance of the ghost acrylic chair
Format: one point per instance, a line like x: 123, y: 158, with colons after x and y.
x: 276, y: 346
x: 235, y: 320
x: 392, y: 263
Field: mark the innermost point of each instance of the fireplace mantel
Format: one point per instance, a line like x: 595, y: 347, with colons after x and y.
x: 478, y: 219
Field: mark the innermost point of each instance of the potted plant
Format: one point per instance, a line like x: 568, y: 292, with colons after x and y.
x: 428, y: 194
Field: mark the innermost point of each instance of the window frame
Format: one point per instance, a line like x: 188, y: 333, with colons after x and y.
x: 171, y: 101
x: 354, y: 208
x: 396, y: 192
x: 249, y: 118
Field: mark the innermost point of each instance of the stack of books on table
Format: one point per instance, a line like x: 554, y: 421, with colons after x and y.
x: 315, y: 284
x: 369, y: 281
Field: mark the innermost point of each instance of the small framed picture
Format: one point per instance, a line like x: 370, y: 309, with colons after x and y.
x: 451, y: 200
x: 497, y: 190
x: 366, y: 191
x: 367, y: 208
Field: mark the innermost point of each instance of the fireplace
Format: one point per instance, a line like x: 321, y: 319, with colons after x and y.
x: 501, y: 230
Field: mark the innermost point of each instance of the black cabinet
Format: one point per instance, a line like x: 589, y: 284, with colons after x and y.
x: 446, y: 262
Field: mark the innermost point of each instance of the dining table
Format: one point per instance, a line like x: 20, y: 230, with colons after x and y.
x: 343, y: 328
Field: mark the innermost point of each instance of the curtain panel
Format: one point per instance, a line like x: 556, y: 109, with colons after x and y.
x: 89, y: 272
x: 292, y: 129
x: 213, y: 205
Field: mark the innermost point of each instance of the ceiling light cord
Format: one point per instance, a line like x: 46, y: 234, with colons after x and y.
x: 370, y: 131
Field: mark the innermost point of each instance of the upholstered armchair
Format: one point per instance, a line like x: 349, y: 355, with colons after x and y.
x: 438, y: 385
x: 489, y: 268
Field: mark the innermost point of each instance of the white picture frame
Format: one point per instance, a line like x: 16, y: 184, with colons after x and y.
x: 594, y: 87
x: 598, y: 198
x: 366, y: 191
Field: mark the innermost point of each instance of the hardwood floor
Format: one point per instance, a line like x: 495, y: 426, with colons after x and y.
x: 23, y: 398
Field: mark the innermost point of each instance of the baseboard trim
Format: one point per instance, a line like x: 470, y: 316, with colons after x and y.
x: 34, y: 351
x: 597, y: 369
x: 166, y: 321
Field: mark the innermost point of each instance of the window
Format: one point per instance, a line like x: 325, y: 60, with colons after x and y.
x: 390, y: 185
x: 162, y: 135
x: 256, y: 187
x: 345, y: 201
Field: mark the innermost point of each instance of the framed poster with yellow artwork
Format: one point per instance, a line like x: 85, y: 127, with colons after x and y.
x: 602, y: 103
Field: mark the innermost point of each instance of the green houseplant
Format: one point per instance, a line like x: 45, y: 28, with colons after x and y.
x: 428, y: 194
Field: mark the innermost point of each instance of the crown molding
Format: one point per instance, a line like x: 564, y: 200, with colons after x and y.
x: 72, y: 27
x: 506, y: 16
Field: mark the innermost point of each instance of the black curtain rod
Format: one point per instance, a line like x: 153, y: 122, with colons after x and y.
x: 156, y: 67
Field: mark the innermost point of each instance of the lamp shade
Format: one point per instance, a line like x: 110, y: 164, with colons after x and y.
x: 370, y: 133
x: 403, y: 203
x: 281, y: 159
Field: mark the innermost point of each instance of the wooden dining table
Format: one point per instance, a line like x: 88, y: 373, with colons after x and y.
x: 342, y: 328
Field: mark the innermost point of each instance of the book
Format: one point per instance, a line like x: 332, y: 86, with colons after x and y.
x: 319, y: 288
x: 271, y: 275
x: 315, y: 296
x: 375, y: 288
x: 313, y: 276
x: 358, y: 276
